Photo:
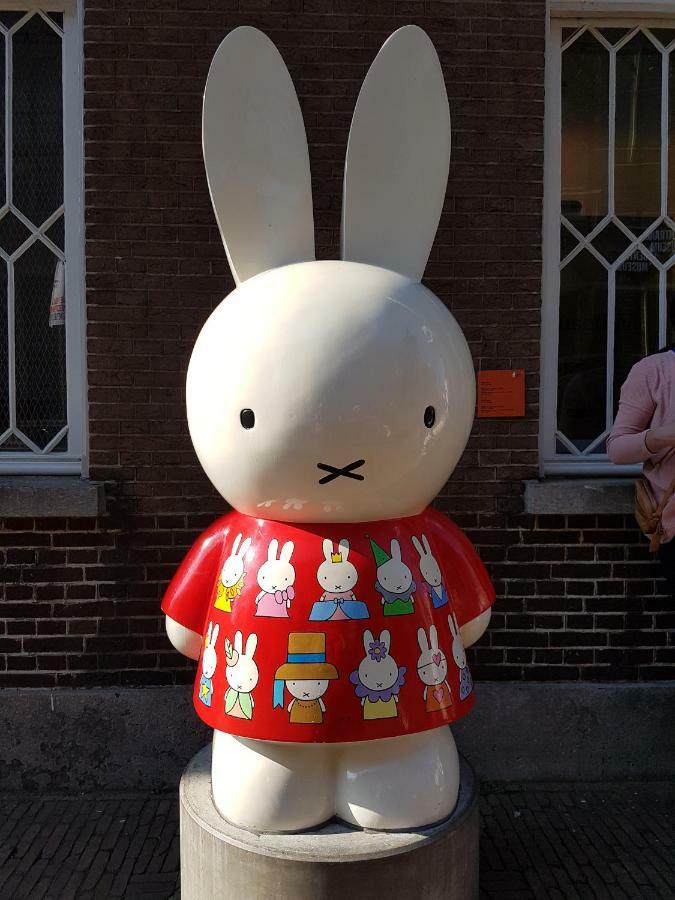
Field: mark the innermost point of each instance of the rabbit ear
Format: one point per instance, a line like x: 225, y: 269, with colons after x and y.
x: 327, y: 549
x: 244, y: 547
x: 418, y: 546
x: 395, y: 550
x: 256, y: 157
x: 251, y: 644
x: 272, y: 550
x: 208, y: 634
x: 367, y: 639
x: 422, y: 640
x: 452, y: 622
x: 344, y: 548
x: 238, y: 642
x: 287, y: 551
x: 426, y: 544
x: 235, y: 546
x: 433, y: 635
x: 398, y: 154
x: 385, y: 638
x: 216, y: 631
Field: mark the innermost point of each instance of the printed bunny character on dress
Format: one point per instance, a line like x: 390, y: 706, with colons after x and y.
x: 344, y: 403
x: 276, y: 578
x: 394, y: 581
x: 337, y: 576
x: 432, y: 668
x: 378, y: 678
x: 232, y: 575
x: 431, y: 572
x: 209, y: 665
x: 306, y: 676
x: 241, y: 673
x: 459, y: 655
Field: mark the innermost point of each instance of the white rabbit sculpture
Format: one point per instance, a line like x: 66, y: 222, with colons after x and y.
x: 328, y: 402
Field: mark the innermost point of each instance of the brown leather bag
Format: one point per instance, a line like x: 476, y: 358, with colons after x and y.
x: 648, y: 513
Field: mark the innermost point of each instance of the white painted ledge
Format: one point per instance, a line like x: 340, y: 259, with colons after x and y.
x: 580, y: 496
x: 36, y: 496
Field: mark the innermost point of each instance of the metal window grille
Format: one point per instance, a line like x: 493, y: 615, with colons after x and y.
x: 41, y: 284
x: 609, y: 226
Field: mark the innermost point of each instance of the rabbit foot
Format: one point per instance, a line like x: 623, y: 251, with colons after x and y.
x: 274, y: 787
x: 398, y: 783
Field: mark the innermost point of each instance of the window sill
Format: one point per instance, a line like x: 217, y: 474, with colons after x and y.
x: 45, y: 497
x: 580, y: 496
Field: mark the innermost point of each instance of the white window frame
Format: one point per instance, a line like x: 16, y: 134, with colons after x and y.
x: 75, y: 460
x: 569, y: 14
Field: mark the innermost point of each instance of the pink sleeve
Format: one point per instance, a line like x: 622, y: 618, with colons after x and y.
x: 626, y: 442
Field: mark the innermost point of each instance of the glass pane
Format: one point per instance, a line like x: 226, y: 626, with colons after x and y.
x: 613, y: 35
x: 40, y: 348
x: 585, y: 80
x: 661, y: 242
x: 567, y: 242
x: 3, y: 186
x: 57, y: 233
x: 664, y: 35
x: 37, y: 118
x: 637, y: 146
x: 582, y: 349
x: 636, y: 319
x: 611, y: 242
x: 7, y: 19
x: 4, y: 375
x: 567, y: 33
x: 670, y: 300
x: 560, y: 447
x: 671, y: 134
x: 12, y: 233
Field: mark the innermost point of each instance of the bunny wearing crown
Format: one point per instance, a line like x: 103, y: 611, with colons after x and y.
x: 329, y: 455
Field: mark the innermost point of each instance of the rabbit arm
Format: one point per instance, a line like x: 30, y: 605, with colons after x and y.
x: 322, y: 705
x: 187, y: 598
x: 467, y: 582
x: 473, y: 630
x: 187, y: 642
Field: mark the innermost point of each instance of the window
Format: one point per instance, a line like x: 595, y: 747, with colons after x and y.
x: 41, y: 252
x: 609, y: 225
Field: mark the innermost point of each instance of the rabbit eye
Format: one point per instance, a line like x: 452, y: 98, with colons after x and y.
x: 247, y: 418
x: 429, y: 416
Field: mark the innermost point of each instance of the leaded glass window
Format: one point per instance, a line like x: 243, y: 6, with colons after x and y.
x: 609, y: 285
x: 40, y: 416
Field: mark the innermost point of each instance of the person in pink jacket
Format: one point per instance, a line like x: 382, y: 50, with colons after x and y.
x: 644, y: 432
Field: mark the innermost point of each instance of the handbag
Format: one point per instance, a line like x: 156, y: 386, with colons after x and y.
x: 649, y: 513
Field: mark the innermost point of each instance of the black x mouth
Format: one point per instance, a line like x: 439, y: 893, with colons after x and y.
x: 335, y: 472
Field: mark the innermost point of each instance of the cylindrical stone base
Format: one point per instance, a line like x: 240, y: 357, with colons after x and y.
x: 333, y: 862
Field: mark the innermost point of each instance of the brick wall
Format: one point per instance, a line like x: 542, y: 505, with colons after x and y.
x: 577, y: 596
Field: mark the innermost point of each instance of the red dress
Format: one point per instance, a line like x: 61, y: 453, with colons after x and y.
x: 335, y: 652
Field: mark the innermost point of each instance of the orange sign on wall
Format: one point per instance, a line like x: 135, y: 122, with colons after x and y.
x: 501, y: 394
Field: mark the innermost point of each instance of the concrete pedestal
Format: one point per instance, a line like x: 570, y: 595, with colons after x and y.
x: 334, y: 862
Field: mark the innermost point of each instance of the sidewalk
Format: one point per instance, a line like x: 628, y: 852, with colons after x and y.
x: 538, y: 842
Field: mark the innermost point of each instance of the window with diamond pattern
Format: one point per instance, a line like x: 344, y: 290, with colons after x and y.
x: 615, y: 282
x: 33, y: 346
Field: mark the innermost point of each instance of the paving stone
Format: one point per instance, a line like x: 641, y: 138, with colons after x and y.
x: 558, y: 842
